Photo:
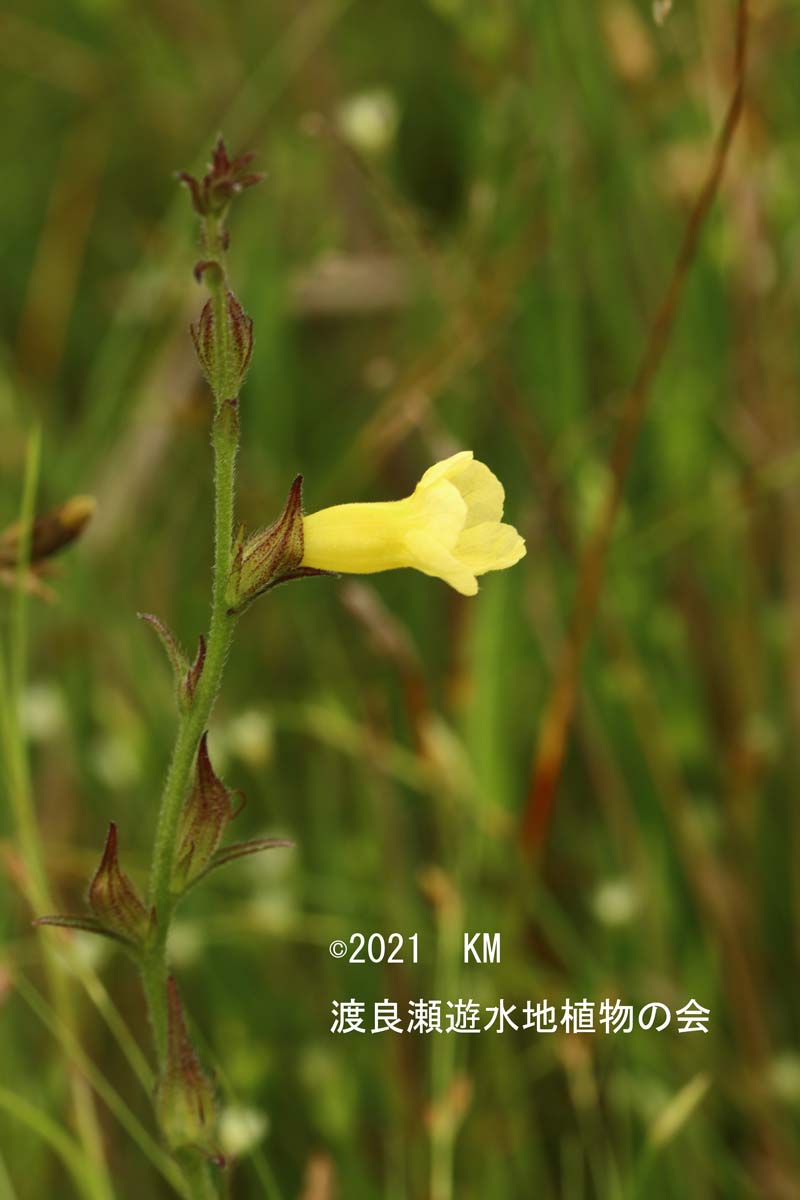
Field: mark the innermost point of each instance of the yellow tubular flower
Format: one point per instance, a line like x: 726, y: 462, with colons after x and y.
x: 450, y: 528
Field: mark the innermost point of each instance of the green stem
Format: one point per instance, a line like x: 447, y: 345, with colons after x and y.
x: 96, y: 1184
x: 192, y: 725
x: 19, y: 621
x: 198, y: 1176
x: 195, y: 717
x: 219, y: 301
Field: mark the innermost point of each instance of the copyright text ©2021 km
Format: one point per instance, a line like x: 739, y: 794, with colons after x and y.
x: 468, y: 1016
x: 391, y: 948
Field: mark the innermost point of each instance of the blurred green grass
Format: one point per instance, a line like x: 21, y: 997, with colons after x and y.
x: 478, y: 267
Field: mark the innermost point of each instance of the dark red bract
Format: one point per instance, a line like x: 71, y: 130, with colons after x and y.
x: 225, y: 178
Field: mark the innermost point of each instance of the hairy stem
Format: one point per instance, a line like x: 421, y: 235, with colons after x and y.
x: 191, y: 728
x: 194, y: 719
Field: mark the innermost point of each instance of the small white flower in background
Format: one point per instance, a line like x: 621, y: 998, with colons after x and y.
x: 43, y: 712
x: 117, y: 751
x: 368, y: 120
x: 784, y: 1076
x: 115, y: 761
x: 268, y: 871
x: 661, y: 10
x: 241, y: 1129
x: 250, y: 737
x: 186, y: 943
x: 90, y: 951
x: 272, y: 913
x: 615, y: 902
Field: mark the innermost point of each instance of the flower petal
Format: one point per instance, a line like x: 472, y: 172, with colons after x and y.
x: 489, y: 547
x: 440, y: 512
x: 445, y: 468
x: 450, y: 527
x: 358, y: 538
x: 482, y: 491
x: 430, y: 557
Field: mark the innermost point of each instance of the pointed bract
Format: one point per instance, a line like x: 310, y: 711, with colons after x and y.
x: 114, y: 900
x: 186, y: 677
x: 241, y: 330
x: 184, y: 1096
x: 206, y: 813
x: 271, y: 557
x: 203, y: 338
x: 192, y: 677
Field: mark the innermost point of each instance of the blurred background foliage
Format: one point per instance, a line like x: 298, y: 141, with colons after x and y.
x: 470, y: 214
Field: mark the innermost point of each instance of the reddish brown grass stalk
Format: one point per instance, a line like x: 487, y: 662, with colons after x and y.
x: 555, y: 725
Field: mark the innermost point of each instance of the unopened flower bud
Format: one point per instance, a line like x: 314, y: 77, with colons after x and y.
x: 206, y: 813
x: 241, y: 333
x: 271, y: 557
x: 113, y: 899
x: 224, y: 179
x: 203, y: 338
x: 184, y: 1096
x: 224, y: 354
x: 49, y: 533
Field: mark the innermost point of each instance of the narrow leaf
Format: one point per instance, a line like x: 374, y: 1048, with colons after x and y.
x: 38, y: 1121
x: 170, y: 643
x: 242, y: 849
x: 85, y: 924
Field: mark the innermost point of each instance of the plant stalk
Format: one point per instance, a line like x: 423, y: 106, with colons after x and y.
x: 198, y: 1177
x: 194, y: 720
x: 95, y: 1182
x: 192, y: 725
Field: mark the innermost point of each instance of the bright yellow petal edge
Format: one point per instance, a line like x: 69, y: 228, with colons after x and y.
x: 450, y: 528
